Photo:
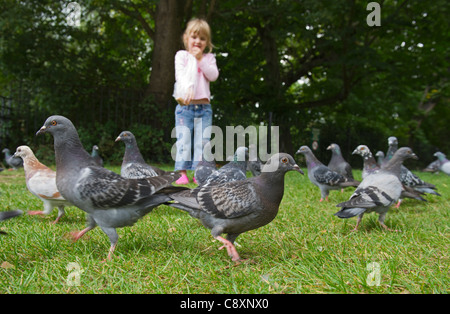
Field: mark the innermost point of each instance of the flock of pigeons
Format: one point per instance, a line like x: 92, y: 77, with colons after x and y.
x: 225, y: 201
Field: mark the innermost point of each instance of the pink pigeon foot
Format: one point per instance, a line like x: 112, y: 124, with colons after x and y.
x: 231, y: 249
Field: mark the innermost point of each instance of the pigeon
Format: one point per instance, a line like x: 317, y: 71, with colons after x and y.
x: 110, y: 200
x: 380, y: 157
x: 337, y: 162
x: 393, y: 145
x: 238, y: 206
x: 371, y: 166
x: 134, y: 165
x: 369, y: 163
x: 254, y: 164
x: 12, y: 161
x: 378, y: 191
x: 9, y: 214
x: 321, y: 176
x: 41, y: 182
x: 444, y: 162
x: 206, y: 166
x: 406, y: 176
x: 432, y: 167
x: 234, y: 170
x: 95, y: 154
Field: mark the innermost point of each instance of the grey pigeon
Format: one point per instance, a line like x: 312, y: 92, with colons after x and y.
x: 133, y: 164
x: 239, y: 206
x: 369, y: 163
x: 110, y: 200
x: 254, y: 164
x: 432, y: 167
x: 378, y: 191
x: 9, y: 214
x: 408, y: 178
x: 393, y: 145
x: 41, y: 182
x: 380, y: 157
x: 370, y: 166
x: 96, y: 155
x: 321, y: 176
x: 13, y: 162
x: 338, y: 163
x: 444, y: 163
x: 206, y: 166
x: 234, y: 170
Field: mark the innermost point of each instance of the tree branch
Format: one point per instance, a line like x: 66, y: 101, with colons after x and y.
x: 135, y: 14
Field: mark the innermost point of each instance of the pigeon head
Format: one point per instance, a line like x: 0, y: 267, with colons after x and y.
x: 392, y: 141
x: 23, y: 152
x: 362, y: 150
x: 241, y: 154
x: 6, y: 151
x: 379, y: 154
x: 281, y: 162
x: 439, y: 155
x: 57, y: 125
x: 303, y: 150
x: 126, y: 137
x: 404, y: 153
x: 334, y: 148
x: 396, y: 161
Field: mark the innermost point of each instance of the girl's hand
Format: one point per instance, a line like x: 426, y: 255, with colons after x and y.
x: 197, y: 53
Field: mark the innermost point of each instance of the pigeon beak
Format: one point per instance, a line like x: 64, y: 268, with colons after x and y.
x: 414, y: 156
x: 41, y: 130
x: 329, y: 147
x: 117, y: 139
x: 297, y: 168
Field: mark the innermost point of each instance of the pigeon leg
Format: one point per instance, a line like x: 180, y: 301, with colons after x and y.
x: 36, y: 212
x: 113, y: 238
x: 358, y: 221
x: 76, y: 235
x: 111, y: 251
x: 381, y: 221
x: 60, y: 213
x: 398, y: 203
x: 231, y: 249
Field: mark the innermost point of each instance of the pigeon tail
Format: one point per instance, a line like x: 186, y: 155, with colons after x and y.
x: 350, y: 212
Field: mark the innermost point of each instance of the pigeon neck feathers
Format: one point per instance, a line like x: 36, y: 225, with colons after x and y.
x: 132, y: 153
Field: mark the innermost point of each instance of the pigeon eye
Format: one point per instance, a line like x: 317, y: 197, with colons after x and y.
x: 284, y: 160
x: 54, y: 123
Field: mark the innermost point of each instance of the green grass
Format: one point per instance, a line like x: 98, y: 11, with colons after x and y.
x: 304, y: 250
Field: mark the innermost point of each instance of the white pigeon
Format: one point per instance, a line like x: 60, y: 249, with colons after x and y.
x: 41, y: 182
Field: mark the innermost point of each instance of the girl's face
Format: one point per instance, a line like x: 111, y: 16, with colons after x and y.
x: 196, y: 43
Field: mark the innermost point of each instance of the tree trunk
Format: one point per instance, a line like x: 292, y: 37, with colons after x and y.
x: 167, y: 41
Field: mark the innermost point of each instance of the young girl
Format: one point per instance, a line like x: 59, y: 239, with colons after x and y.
x: 193, y: 112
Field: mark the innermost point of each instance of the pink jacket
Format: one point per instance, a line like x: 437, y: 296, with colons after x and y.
x: 207, y: 72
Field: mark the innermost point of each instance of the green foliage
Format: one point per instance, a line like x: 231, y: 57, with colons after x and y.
x: 311, y: 63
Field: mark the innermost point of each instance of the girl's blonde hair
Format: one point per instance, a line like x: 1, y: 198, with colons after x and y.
x: 201, y: 28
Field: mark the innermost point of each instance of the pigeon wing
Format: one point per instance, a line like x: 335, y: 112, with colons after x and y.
x: 324, y: 175
x: 230, y: 200
x: 106, y: 189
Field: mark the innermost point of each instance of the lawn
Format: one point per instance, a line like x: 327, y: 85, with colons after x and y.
x: 304, y: 250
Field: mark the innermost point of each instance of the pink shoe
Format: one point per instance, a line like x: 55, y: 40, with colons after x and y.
x: 195, y: 181
x: 183, y: 180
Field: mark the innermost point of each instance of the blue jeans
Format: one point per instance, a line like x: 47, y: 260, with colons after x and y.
x: 190, y: 124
